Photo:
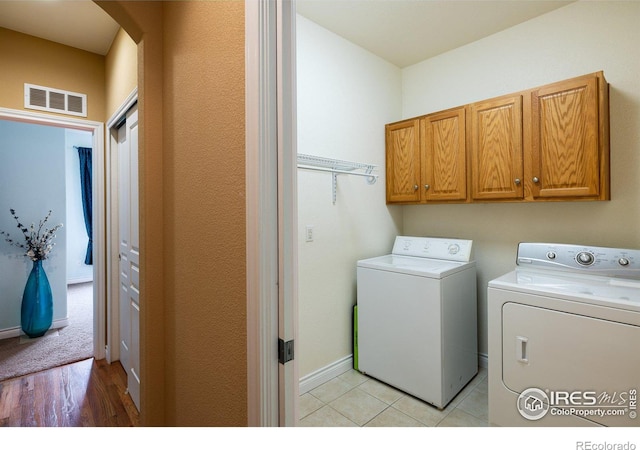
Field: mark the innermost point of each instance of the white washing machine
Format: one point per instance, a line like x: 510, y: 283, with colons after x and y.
x: 417, y: 317
x: 564, y: 338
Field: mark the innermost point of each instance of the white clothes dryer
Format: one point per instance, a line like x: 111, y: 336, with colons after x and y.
x: 564, y: 338
x: 417, y: 317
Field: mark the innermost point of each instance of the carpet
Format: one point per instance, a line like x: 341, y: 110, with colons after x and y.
x: 21, y: 355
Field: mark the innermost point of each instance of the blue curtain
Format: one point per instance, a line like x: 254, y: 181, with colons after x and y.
x: 85, y: 183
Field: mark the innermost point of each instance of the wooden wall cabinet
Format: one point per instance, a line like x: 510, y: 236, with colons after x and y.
x: 497, y: 171
x: 426, y: 158
x: 545, y: 144
x: 444, y: 171
x: 570, y: 139
x: 403, y: 165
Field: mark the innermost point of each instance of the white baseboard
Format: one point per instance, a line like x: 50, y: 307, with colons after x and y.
x: 320, y: 376
x: 17, y: 331
x: 483, y: 360
x: 79, y: 280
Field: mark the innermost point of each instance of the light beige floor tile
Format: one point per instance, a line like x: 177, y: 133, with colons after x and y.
x: 476, y: 404
x: 421, y: 411
x: 308, y: 404
x: 331, y: 390
x: 459, y: 418
x: 353, y: 377
x: 464, y: 392
x: 358, y: 406
x: 483, y: 386
x: 381, y: 391
x: 326, y: 417
x: 391, y: 417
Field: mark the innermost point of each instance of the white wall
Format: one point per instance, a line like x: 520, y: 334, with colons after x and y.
x: 345, y: 97
x: 32, y: 171
x: 77, y: 270
x: 580, y: 38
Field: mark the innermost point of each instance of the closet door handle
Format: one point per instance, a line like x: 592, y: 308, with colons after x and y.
x: 522, y: 350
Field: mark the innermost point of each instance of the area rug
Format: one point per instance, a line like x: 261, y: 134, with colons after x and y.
x: 21, y: 355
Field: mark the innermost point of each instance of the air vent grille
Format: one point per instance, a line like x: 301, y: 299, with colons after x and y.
x: 55, y: 100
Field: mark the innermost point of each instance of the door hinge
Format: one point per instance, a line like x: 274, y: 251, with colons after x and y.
x: 285, y: 351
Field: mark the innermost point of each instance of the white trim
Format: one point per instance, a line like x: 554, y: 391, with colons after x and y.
x: 17, y: 331
x: 327, y: 373
x: 112, y: 350
x: 99, y: 274
x: 79, y: 280
x: 131, y: 99
x: 261, y: 219
x: 271, y: 210
x: 287, y: 204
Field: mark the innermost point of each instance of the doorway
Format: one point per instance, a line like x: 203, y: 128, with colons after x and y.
x: 95, y: 130
x: 123, y: 334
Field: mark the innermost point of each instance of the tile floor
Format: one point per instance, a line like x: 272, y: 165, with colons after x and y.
x: 356, y: 400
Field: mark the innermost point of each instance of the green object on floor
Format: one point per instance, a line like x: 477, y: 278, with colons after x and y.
x: 355, y: 337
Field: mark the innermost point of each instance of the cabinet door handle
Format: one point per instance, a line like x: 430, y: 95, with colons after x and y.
x: 521, y: 349
x: 536, y: 179
x: 517, y: 181
x: 415, y: 187
x: 426, y: 187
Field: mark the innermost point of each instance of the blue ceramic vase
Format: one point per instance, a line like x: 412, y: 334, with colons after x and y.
x: 37, y: 303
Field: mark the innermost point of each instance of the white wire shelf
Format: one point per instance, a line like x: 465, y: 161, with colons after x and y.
x: 337, y: 167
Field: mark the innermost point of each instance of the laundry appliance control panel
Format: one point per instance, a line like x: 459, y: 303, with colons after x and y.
x: 614, y: 262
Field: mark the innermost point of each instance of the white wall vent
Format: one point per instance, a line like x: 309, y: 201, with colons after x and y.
x: 54, y: 100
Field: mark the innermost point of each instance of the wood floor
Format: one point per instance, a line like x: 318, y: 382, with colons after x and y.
x: 84, y: 394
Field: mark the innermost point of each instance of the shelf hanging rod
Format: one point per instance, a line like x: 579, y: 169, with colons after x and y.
x: 346, y: 172
x: 336, y: 167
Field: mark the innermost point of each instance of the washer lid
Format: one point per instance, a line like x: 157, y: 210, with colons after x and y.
x: 411, y: 265
x: 600, y: 290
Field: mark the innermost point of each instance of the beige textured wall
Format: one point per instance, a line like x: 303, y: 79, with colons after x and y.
x: 121, y: 71
x: 205, y: 199
x: 193, y: 300
x: 27, y: 59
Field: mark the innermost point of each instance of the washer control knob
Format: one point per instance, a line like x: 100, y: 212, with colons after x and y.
x: 623, y: 261
x: 454, y: 249
x: 585, y: 258
x: 551, y: 255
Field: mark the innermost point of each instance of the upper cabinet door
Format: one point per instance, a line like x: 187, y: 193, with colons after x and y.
x: 565, y: 139
x: 496, y: 149
x: 444, y: 149
x: 403, y: 161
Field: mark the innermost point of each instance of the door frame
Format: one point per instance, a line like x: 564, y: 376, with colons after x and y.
x: 111, y: 240
x: 98, y: 190
x: 271, y: 210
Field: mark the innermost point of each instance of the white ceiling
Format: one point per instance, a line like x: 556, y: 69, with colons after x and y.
x: 403, y: 32
x: 77, y: 23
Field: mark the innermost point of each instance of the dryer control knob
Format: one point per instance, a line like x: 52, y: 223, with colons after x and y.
x: 551, y: 255
x: 585, y: 258
x: 623, y: 261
